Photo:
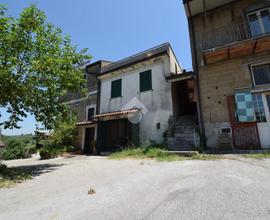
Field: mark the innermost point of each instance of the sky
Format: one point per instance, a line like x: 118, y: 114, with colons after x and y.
x: 112, y: 29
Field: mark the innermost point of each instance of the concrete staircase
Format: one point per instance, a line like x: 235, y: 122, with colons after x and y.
x: 185, y: 136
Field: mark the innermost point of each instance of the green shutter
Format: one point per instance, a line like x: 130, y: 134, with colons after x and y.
x: 146, y: 81
x: 116, y: 88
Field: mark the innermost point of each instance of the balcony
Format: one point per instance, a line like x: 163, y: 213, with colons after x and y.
x: 224, y: 35
x: 232, y: 41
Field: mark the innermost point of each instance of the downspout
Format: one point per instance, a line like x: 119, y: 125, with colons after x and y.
x: 196, y: 69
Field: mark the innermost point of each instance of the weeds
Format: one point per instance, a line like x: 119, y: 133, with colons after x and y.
x: 158, y: 154
x: 11, y: 176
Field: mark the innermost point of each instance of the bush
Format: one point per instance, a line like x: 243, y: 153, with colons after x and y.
x: 14, y: 150
x: 60, y: 140
x: 49, y: 152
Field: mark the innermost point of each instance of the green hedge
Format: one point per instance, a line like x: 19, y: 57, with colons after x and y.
x: 17, y: 150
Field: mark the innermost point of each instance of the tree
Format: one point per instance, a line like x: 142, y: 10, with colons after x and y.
x: 38, y: 65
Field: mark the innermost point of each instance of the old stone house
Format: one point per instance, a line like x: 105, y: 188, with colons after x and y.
x: 139, y: 99
x: 230, y: 42
x: 85, y: 107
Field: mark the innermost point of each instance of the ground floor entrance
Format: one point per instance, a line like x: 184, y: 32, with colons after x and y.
x: 250, y: 120
x: 114, y: 135
x: 263, y: 114
x: 183, y: 98
x: 89, y: 140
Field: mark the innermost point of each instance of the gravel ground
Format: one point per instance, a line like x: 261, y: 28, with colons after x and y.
x: 233, y: 188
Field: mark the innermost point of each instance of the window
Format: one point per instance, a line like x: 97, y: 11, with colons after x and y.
x: 259, y: 108
x: 259, y: 22
x: 261, y: 74
x: 116, y: 88
x: 146, y: 81
x: 90, y: 113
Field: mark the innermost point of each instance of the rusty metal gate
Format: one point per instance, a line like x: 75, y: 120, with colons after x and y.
x: 245, y: 134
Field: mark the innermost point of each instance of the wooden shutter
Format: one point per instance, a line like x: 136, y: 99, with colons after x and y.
x: 116, y: 88
x: 146, y: 81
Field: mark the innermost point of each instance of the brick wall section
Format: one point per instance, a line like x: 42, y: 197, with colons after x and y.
x: 217, y: 82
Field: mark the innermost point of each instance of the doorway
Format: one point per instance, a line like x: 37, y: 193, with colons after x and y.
x: 183, y: 96
x: 89, y: 140
x: 263, y: 113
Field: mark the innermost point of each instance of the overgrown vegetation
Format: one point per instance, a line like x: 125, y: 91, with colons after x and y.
x: 10, y: 176
x: 18, y: 147
x: 159, y: 154
x: 61, y: 139
x: 259, y: 156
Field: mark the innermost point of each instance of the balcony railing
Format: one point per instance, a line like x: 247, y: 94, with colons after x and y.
x: 224, y: 35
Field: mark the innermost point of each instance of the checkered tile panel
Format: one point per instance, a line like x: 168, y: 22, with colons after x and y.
x: 245, y: 109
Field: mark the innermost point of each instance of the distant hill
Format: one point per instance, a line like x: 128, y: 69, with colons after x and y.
x: 25, y: 138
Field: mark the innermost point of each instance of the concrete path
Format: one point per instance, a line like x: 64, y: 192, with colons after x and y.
x: 233, y: 188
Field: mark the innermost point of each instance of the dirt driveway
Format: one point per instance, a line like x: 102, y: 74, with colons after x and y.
x: 224, y: 189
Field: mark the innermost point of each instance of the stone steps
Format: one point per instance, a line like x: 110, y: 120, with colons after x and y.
x: 184, y: 138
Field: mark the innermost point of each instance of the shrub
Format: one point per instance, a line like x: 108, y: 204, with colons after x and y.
x: 49, y: 152
x: 14, y: 150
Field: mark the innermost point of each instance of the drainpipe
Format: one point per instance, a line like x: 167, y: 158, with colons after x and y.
x: 196, y: 69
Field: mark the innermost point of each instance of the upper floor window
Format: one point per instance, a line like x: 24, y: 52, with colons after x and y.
x: 90, y: 113
x: 116, y: 88
x: 146, y: 81
x: 259, y: 22
x: 261, y: 74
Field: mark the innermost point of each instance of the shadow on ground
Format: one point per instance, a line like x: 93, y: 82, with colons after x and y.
x: 39, y: 169
x: 9, y: 176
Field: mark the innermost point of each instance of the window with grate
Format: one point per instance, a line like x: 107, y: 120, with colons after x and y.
x: 259, y: 108
x: 261, y: 74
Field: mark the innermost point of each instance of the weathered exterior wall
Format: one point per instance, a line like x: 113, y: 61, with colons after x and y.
x: 79, y: 107
x: 157, y: 101
x: 218, y: 18
x: 219, y: 80
x: 79, y: 103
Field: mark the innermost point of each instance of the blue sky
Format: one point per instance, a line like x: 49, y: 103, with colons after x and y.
x: 113, y: 30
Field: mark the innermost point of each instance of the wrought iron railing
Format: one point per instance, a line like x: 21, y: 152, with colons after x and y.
x: 224, y: 35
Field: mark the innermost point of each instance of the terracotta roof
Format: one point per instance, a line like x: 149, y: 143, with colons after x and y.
x: 107, y: 114
x: 117, y: 113
x: 85, y: 123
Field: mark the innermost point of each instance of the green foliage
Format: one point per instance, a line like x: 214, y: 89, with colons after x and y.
x: 258, y: 156
x: 158, y: 153
x: 64, y: 132
x: 14, y: 150
x: 49, y: 152
x: 38, y: 66
x: 60, y: 140
x: 18, y: 147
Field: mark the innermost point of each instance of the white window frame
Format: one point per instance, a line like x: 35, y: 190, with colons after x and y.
x: 257, y: 12
x: 87, y: 108
x: 252, y: 73
x: 266, y: 107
